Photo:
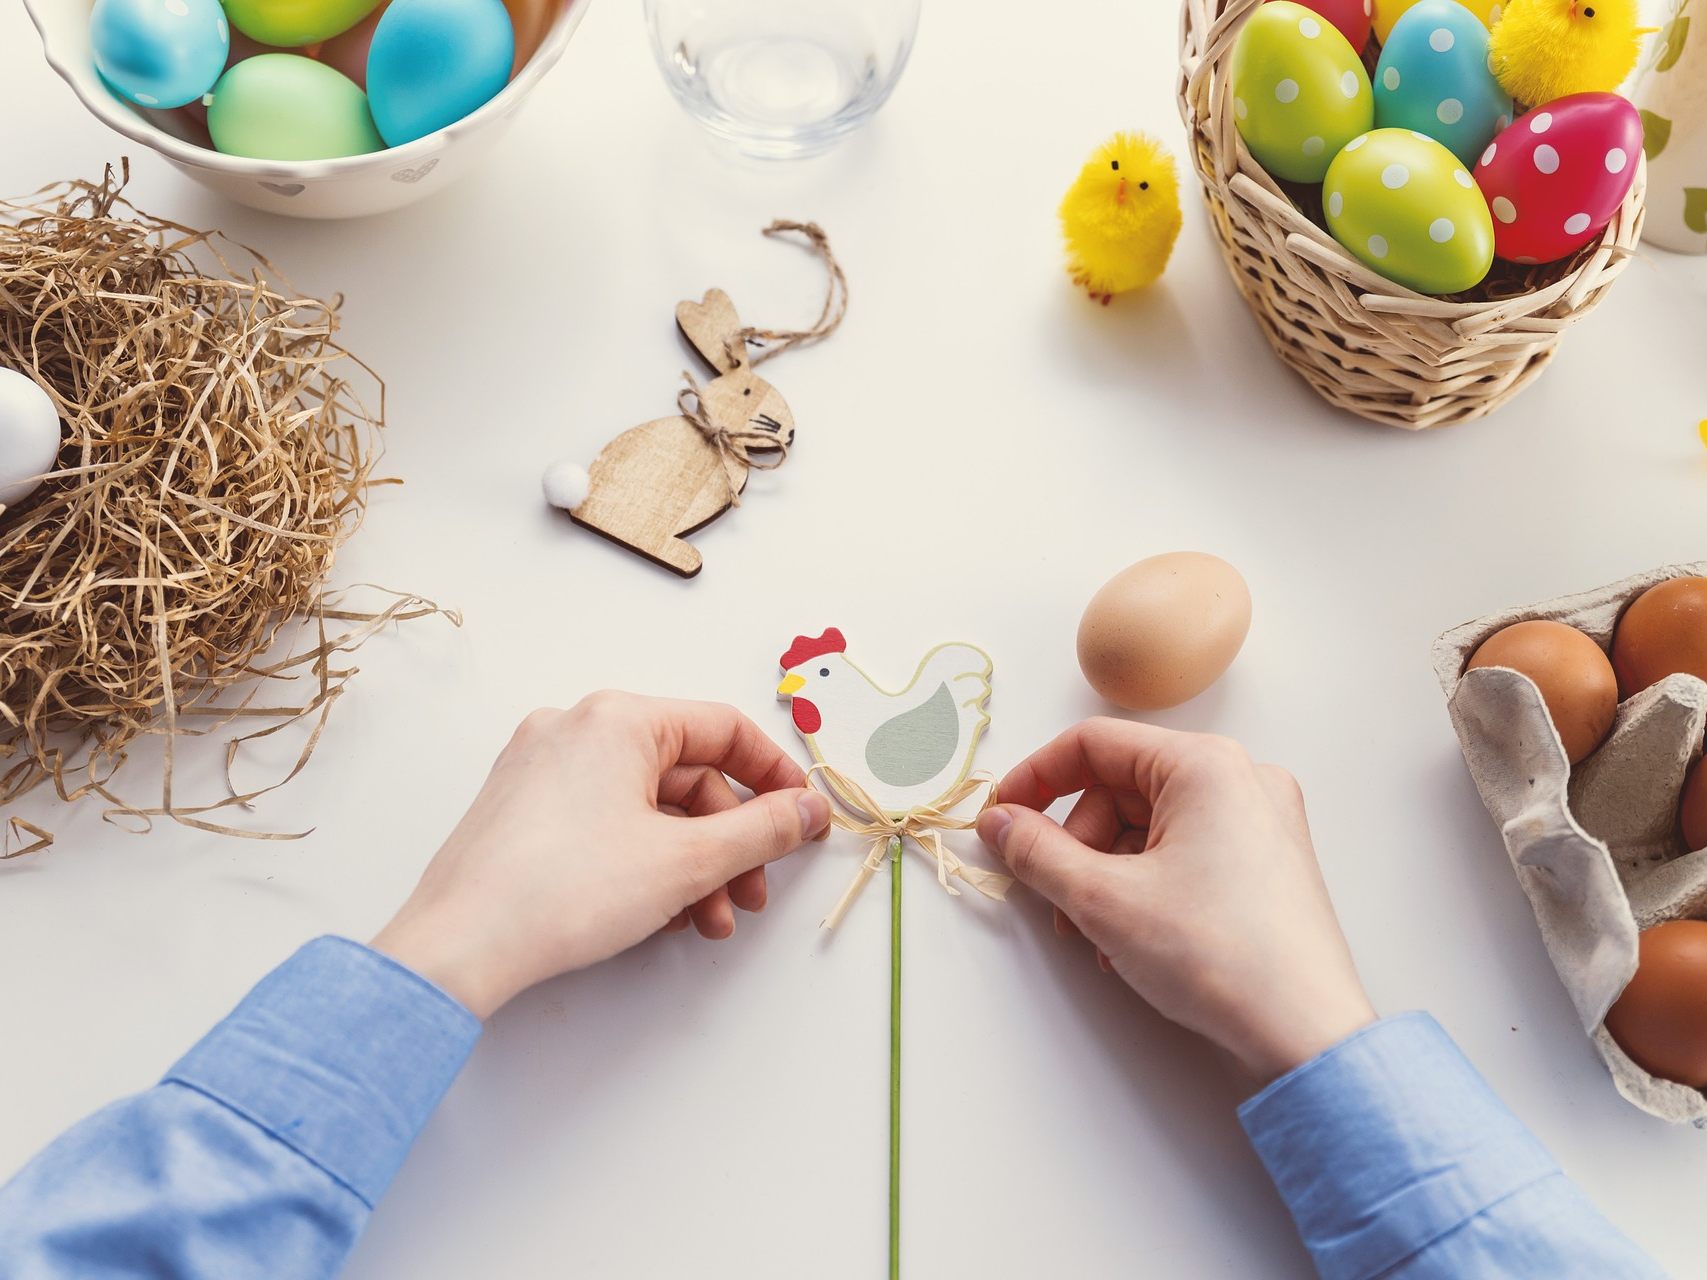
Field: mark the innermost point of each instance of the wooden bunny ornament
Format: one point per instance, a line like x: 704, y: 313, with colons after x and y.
x: 659, y: 482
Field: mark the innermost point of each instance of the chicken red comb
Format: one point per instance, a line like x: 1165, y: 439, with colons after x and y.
x: 805, y: 648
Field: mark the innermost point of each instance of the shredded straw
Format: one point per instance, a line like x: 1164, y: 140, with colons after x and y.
x: 214, y: 458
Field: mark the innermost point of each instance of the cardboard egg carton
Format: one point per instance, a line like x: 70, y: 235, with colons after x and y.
x: 1596, y: 849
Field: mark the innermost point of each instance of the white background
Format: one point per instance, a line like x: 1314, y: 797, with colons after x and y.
x: 979, y: 448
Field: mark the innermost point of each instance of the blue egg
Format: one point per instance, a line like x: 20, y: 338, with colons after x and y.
x: 434, y: 61
x: 159, y: 53
x: 1433, y: 78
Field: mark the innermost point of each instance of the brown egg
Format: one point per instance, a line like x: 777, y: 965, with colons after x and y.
x: 1661, y: 1019
x: 1574, y: 677
x: 1163, y: 630
x: 1692, y: 812
x: 1664, y: 631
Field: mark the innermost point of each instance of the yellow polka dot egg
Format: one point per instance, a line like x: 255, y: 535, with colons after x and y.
x: 1299, y: 91
x: 1407, y: 208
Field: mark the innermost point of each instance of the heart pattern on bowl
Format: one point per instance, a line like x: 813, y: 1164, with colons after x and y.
x: 285, y: 188
x: 417, y: 173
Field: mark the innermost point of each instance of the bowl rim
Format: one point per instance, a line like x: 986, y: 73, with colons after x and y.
x: 116, y: 114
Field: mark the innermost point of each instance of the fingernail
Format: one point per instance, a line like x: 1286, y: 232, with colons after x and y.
x: 993, y: 827
x: 814, y: 814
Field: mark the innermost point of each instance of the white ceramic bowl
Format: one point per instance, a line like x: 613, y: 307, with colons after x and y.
x: 350, y: 187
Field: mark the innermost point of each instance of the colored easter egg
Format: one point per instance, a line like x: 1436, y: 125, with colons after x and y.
x: 1350, y: 18
x: 432, y: 62
x: 159, y: 53
x: 289, y: 23
x: 1555, y: 177
x: 280, y: 106
x: 1433, y: 77
x: 1299, y: 92
x: 1388, y: 13
x: 1404, y: 206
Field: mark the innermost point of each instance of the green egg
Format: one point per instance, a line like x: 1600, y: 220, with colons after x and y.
x: 1406, y: 207
x: 286, y: 24
x: 279, y: 106
x: 1299, y: 91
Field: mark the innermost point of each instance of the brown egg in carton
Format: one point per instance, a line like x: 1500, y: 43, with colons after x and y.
x: 1596, y: 849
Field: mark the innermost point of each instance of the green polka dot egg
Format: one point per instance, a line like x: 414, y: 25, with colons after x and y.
x: 1299, y: 91
x: 1406, y: 207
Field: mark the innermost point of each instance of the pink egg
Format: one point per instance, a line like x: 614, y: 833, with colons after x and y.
x: 1351, y: 17
x: 1554, y: 177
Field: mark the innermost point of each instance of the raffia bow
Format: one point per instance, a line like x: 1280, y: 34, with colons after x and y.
x: 854, y: 810
x: 745, y: 446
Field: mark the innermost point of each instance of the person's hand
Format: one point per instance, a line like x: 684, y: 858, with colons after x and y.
x: 600, y: 826
x: 1190, y: 869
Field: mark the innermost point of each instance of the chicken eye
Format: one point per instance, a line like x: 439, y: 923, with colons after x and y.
x: 823, y: 671
x: 1588, y: 13
x: 1143, y: 186
x: 1115, y: 165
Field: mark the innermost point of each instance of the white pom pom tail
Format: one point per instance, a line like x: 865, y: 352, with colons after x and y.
x: 566, y: 484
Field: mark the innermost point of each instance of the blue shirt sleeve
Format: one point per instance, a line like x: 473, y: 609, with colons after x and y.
x: 1398, y: 1161
x: 264, y: 1149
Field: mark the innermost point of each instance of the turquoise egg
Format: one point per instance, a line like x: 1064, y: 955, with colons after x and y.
x: 1406, y: 208
x: 1433, y: 77
x: 159, y: 53
x: 434, y: 61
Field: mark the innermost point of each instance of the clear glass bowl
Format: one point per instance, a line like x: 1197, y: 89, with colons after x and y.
x: 782, y: 78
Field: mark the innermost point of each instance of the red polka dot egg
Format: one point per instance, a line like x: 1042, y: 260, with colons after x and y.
x: 1555, y: 177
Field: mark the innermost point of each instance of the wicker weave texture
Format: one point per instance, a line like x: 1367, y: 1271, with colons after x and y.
x: 1366, y: 344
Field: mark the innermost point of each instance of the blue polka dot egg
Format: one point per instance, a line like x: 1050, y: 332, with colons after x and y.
x: 1299, y: 91
x: 159, y: 53
x: 1433, y: 77
x: 1405, y: 207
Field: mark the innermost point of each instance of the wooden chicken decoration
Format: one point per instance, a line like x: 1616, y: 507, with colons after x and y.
x: 897, y: 765
x: 907, y: 750
x: 659, y: 482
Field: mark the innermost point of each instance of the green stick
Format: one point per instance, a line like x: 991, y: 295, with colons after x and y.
x: 895, y: 1059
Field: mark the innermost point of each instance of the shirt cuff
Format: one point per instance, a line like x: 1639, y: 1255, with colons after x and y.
x: 1386, y: 1142
x: 340, y: 1053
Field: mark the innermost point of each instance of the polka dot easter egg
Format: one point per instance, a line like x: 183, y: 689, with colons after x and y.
x: 1299, y: 92
x: 1388, y: 13
x: 1351, y: 18
x: 159, y: 53
x: 1433, y: 77
x: 1555, y: 177
x: 1405, y: 207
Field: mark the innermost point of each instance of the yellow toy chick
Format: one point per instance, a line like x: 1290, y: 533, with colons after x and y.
x: 1546, y: 49
x: 1121, y: 216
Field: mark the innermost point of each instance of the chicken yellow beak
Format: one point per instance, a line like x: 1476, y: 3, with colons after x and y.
x: 791, y: 684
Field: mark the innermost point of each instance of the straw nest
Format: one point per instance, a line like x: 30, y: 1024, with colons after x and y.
x: 213, y: 459
x: 1365, y: 344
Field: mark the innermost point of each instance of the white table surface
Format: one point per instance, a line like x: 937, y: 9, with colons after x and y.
x: 979, y: 448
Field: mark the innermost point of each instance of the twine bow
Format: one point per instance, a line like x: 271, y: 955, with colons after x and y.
x: 863, y: 816
x: 745, y: 446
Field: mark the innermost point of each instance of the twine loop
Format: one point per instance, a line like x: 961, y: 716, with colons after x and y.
x: 854, y: 810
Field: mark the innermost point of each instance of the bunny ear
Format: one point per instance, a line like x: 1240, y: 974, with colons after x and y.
x: 714, y: 329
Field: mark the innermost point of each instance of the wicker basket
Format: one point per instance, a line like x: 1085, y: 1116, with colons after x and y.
x: 1364, y: 343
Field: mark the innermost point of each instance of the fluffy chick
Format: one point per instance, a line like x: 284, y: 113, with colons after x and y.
x: 1121, y: 216
x: 1546, y: 49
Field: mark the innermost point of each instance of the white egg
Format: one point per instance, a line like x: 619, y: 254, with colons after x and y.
x: 29, y: 436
